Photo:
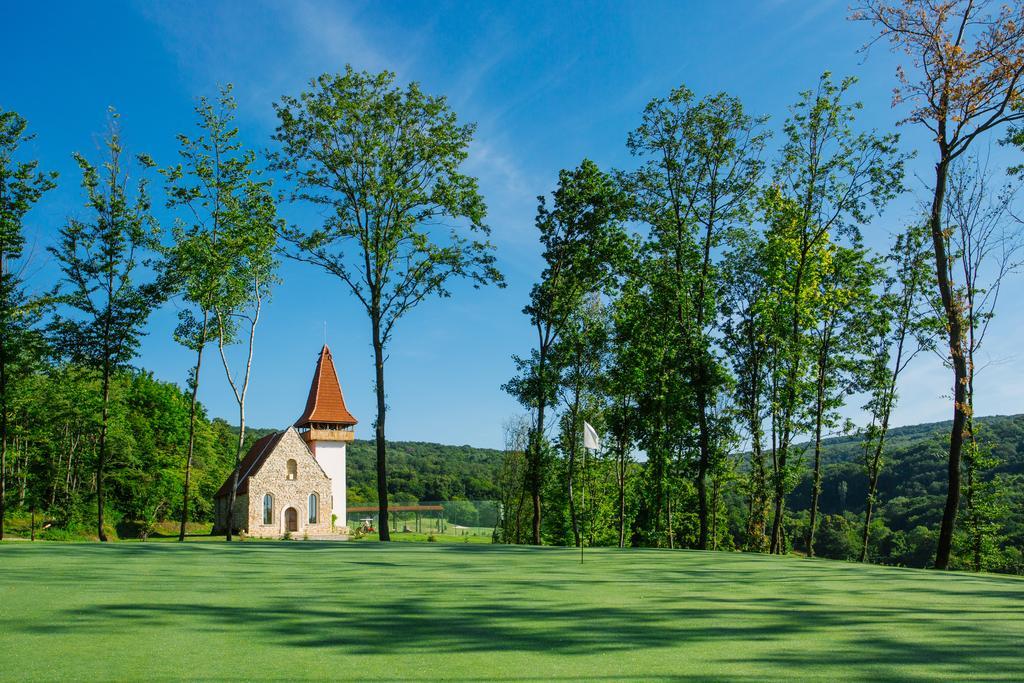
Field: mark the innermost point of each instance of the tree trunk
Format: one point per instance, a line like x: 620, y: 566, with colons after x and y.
x: 535, y: 476
x: 972, y: 465
x: 519, y: 515
x: 872, y: 464
x: 703, y: 463
x: 776, y: 543
x: 790, y: 405
x: 3, y: 424
x: 538, y: 442
x: 818, y: 419
x: 3, y: 477
x: 234, y: 474
x: 102, y: 457
x: 777, y: 476
x: 239, y: 395
x: 668, y: 520
x: 874, y: 468
x: 3, y: 400
x: 714, y: 513
x: 622, y: 495
x: 192, y: 429
x: 382, y: 462
x: 574, y: 518
x: 971, y: 502
x: 955, y: 337
x: 773, y: 402
x: 758, y: 514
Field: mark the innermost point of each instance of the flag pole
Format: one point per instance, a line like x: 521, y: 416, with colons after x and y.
x: 583, y: 505
x: 591, y: 440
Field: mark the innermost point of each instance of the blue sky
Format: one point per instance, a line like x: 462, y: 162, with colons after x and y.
x: 547, y: 83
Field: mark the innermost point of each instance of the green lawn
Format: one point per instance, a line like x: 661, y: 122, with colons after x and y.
x: 371, y: 612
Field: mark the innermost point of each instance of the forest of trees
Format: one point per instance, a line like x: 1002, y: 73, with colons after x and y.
x: 739, y: 288
x: 904, y: 529
x: 714, y: 309
x: 53, y: 447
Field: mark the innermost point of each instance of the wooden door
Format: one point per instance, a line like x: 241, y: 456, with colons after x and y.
x: 291, y: 520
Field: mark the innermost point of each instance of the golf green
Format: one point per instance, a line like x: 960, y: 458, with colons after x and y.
x: 470, y: 612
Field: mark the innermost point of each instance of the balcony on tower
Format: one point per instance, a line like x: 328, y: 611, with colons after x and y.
x: 327, y: 432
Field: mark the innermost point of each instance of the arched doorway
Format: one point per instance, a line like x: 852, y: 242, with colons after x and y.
x: 291, y: 520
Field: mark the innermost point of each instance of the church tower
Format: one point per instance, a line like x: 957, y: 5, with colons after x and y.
x: 327, y: 426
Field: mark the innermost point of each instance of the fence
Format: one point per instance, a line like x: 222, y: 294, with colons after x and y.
x: 449, y: 517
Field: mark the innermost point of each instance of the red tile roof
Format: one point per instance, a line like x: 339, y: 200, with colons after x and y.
x: 326, y: 403
x: 250, y: 464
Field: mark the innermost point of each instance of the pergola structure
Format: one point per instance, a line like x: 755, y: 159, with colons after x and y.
x: 418, y: 510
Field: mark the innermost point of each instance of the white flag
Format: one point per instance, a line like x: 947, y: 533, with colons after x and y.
x: 590, y: 438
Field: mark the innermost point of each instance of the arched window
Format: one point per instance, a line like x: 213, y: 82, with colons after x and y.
x: 292, y: 470
x: 268, y: 509
x: 313, y: 508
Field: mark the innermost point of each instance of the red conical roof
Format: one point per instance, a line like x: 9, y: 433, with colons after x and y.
x: 326, y: 403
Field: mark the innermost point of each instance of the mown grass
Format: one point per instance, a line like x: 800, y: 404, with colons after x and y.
x: 382, y: 612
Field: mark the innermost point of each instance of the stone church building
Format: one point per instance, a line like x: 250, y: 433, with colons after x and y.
x: 293, y: 481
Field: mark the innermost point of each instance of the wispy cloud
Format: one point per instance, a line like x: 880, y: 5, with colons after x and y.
x: 267, y: 48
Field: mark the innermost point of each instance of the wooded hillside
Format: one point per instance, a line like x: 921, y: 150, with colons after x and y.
x: 910, y: 491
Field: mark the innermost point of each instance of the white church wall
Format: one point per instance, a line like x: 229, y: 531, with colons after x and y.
x: 331, y: 456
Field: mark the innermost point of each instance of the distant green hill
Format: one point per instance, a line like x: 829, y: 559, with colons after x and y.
x: 915, y: 464
x: 418, y: 470
x: 1005, y: 431
x: 912, y: 486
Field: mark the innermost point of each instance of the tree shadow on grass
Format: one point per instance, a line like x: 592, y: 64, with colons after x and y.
x: 900, y: 625
x: 386, y: 627
x: 389, y: 626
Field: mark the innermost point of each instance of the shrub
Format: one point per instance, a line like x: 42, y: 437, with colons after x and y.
x: 836, y: 538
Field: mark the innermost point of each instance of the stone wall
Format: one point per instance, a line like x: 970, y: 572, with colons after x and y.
x: 273, y: 478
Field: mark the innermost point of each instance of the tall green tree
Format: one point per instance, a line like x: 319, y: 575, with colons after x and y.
x: 248, y: 230
x: 512, y: 482
x: 581, y: 354
x: 985, y: 242
x: 21, y: 187
x: 826, y: 183
x: 647, y: 325
x: 583, y: 239
x: 746, y: 340
x: 901, y: 331
x: 700, y: 174
x: 105, y: 300
x: 221, y: 252
x: 622, y: 384
x: 839, y: 345
x: 965, y: 78
x: 402, y: 221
